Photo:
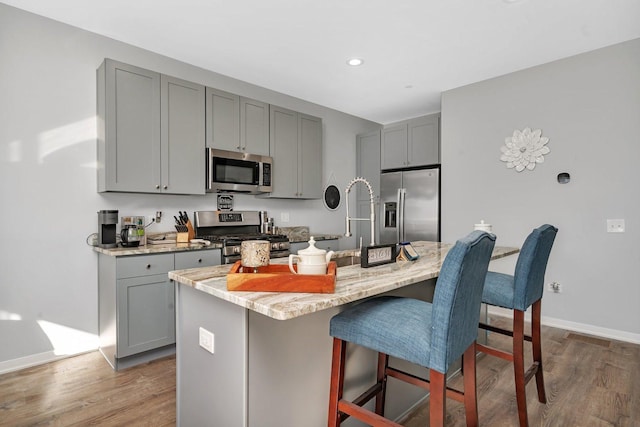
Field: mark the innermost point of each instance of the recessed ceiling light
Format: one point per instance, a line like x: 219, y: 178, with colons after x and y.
x: 354, y: 62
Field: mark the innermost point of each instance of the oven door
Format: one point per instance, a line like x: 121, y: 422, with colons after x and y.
x: 229, y: 171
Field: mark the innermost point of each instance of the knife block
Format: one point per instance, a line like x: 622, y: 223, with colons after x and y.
x: 186, y: 236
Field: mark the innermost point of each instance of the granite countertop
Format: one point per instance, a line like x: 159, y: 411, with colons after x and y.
x: 156, y: 249
x: 295, y: 235
x: 353, y: 282
x: 300, y: 234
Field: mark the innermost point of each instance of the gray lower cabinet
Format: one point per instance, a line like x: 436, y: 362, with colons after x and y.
x: 145, y: 311
x: 137, y: 304
x: 151, y: 131
x: 296, y: 147
x: 411, y: 143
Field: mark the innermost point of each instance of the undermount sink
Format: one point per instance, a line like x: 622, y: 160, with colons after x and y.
x: 345, y: 261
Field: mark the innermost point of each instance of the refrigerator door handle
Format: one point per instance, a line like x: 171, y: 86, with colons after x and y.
x: 401, y: 197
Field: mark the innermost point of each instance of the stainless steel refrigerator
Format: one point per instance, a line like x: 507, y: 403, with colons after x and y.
x: 410, y: 206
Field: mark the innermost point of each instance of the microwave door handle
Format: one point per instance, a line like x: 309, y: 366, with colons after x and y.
x: 209, y: 170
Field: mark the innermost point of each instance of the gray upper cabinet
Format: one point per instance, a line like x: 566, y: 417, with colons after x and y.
x: 128, y: 128
x: 182, y: 137
x: 254, y: 126
x: 236, y: 123
x: 410, y: 143
x: 393, y: 152
x: 223, y: 120
x: 309, y: 157
x: 296, y: 148
x: 150, y: 132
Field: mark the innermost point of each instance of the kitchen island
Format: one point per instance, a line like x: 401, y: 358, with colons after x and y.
x: 272, y: 351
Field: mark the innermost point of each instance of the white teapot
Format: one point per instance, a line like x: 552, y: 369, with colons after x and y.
x: 311, y: 260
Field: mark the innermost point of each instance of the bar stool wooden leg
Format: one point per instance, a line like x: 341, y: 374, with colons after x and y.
x: 470, y: 397
x: 337, y: 381
x: 518, y: 366
x: 383, y: 362
x: 437, y: 404
x: 536, y: 343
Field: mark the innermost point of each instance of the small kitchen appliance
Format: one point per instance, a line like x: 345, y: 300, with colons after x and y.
x: 129, y: 236
x: 235, y: 172
x: 138, y: 223
x: 107, y: 221
x: 232, y: 228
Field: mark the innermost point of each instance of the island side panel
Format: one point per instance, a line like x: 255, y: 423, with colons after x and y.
x: 290, y: 368
x: 211, y: 388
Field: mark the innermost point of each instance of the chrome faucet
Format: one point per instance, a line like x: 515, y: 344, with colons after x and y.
x: 372, y: 217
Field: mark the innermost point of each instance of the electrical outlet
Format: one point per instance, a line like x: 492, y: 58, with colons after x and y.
x: 206, y: 340
x: 284, y: 216
x: 555, y: 287
x: 615, y: 226
x: 158, y: 216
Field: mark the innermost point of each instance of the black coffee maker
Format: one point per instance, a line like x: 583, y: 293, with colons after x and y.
x: 107, y: 221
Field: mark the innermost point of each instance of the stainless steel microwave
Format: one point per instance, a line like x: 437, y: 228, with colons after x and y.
x: 236, y: 172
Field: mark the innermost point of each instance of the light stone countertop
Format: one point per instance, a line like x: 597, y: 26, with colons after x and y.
x: 156, y: 249
x: 352, y: 282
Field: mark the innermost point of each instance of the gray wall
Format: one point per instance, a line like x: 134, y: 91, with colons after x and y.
x: 48, y: 274
x: 589, y: 107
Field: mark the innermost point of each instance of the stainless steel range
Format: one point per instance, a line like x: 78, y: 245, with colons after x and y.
x: 231, y: 228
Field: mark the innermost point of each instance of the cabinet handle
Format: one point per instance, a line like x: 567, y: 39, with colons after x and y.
x: 199, y: 260
x: 157, y: 187
x: 165, y: 187
x: 148, y: 266
x: 238, y: 147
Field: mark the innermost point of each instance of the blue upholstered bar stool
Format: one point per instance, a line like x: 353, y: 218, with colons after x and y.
x: 517, y: 293
x: 432, y: 335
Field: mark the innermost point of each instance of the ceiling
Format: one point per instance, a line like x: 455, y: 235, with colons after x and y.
x: 413, y: 50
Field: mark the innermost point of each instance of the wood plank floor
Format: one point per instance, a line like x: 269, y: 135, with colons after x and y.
x: 84, y: 390
x: 590, y: 382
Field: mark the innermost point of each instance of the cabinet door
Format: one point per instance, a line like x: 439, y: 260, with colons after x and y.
x: 283, y: 147
x: 368, y: 163
x: 145, y: 314
x: 182, y: 137
x: 424, y: 141
x: 132, y: 134
x: 394, y: 147
x: 254, y: 126
x: 309, y: 157
x: 223, y: 120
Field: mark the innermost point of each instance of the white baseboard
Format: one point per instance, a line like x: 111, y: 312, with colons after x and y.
x: 574, y: 326
x: 33, y: 360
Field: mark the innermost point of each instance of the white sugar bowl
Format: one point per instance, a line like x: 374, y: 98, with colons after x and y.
x: 311, y: 260
x: 483, y: 226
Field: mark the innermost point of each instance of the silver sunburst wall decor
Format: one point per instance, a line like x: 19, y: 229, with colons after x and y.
x: 524, y: 149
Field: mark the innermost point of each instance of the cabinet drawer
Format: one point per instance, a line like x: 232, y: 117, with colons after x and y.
x: 134, y: 266
x: 195, y: 259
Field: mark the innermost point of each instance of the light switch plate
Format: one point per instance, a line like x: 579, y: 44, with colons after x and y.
x: 615, y: 226
x: 206, y: 340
